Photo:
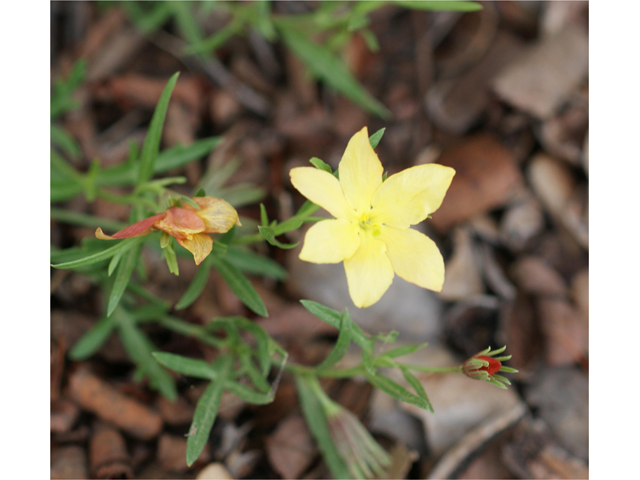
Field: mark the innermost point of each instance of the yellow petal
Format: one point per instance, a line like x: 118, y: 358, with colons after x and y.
x: 414, y: 256
x: 218, y: 215
x: 369, y: 272
x: 360, y: 172
x: 323, y: 189
x: 181, y: 223
x: 199, y: 244
x: 406, y: 198
x: 330, y: 241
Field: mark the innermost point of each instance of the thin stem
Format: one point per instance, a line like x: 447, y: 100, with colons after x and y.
x: 421, y: 368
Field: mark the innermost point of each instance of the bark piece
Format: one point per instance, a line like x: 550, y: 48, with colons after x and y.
x: 108, y: 454
x: 486, y: 177
x: 541, y: 80
x: 93, y: 394
x: 63, y: 415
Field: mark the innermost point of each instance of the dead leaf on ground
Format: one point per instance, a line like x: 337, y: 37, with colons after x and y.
x: 290, y: 448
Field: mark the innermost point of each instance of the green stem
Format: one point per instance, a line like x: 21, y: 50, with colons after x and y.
x: 420, y: 368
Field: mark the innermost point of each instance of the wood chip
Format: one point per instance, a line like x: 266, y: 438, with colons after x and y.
x: 462, y: 273
x: 108, y: 454
x: 93, y: 394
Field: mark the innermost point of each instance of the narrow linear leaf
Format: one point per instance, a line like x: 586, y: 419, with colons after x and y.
x: 341, y: 346
x: 327, y: 67
x: 251, y: 262
x: 334, y: 318
x: 255, y: 375
x: 186, y: 366
x: 154, y: 135
x: 397, y: 391
x: 240, y: 286
x: 374, y: 139
x: 316, y: 162
x: 64, y: 141
x: 195, y: 287
x: 367, y: 357
x: 125, y: 268
x: 404, y: 350
x: 317, y: 421
x: 248, y: 394
x: 114, y: 263
x: 417, y: 386
x: 445, y: 6
x: 91, y: 341
x: 206, y: 411
x: 101, y: 256
x: 139, y: 349
x: 269, y: 235
x: 262, y: 338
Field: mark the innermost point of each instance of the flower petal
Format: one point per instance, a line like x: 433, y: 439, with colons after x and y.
x: 330, y: 241
x: 406, y: 198
x: 199, y: 244
x: 369, y: 272
x: 414, y: 256
x: 218, y: 215
x: 181, y: 223
x: 323, y: 189
x: 138, y: 229
x: 360, y: 172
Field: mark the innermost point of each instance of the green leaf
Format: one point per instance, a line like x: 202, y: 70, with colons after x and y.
x: 248, y: 394
x: 397, y: 391
x: 417, y: 386
x: 210, y: 44
x: 445, y: 6
x: 91, y: 341
x: 262, y: 339
x: 264, y: 218
x: 154, y: 134
x: 269, y: 235
x: 186, y: 366
x: 169, y: 254
x: 195, y: 287
x: 206, y: 411
x: 123, y: 246
x: 317, y: 422
x: 139, y: 348
x: 374, y: 139
x: 342, y: 344
x: 334, y: 318
x: 253, y: 373
x: 240, y: 286
x: 324, y: 65
x: 404, y: 350
x: 126, y: 265
x: 85, y: 220
x: 66, y: 143
x: 114, y: 263
x: 316, y: 162
x: 200, y: 193
x: 251, y: 262
x: 367, y: 357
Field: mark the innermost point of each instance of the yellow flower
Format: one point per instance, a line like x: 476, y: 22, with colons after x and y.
x: 188, y: 225
x: 370, y: 232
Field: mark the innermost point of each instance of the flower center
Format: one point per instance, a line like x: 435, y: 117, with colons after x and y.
x: 368, y: 226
